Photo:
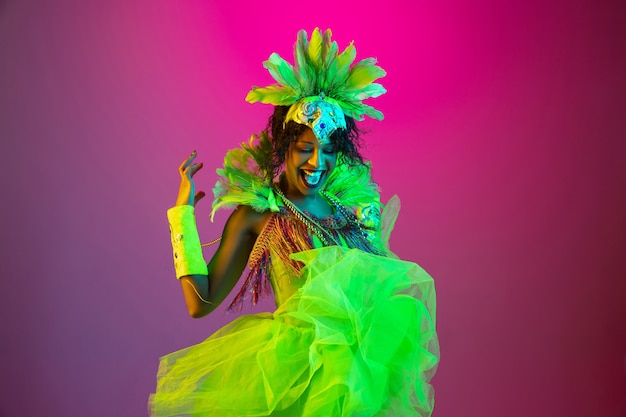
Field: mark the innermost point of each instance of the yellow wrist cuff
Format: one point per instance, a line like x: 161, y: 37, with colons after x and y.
x: 188, y: 259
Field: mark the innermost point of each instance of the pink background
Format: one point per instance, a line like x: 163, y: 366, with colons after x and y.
x: 504, y: 136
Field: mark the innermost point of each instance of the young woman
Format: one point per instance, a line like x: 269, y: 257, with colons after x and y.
x: 354, y: 329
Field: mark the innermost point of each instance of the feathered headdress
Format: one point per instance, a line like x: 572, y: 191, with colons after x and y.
x: 322, y: 86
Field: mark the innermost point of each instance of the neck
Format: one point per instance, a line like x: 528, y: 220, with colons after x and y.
x: 296, y: 196
x: 314, y: 203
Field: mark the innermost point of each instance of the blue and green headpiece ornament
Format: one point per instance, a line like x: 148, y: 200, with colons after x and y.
x: 323, y: 86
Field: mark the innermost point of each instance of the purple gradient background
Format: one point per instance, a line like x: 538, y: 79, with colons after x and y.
x: 504, y: 136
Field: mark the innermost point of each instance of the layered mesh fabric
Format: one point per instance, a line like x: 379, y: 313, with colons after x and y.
x: 356, y: 339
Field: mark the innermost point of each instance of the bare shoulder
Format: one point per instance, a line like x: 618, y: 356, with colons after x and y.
x: 245, y: 218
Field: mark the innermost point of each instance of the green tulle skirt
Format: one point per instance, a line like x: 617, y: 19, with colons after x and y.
x: 357, y: 339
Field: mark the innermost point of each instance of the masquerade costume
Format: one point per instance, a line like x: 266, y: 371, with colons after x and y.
x: 354, y: 330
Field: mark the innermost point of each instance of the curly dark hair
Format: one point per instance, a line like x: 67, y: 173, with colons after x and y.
x: 347, y: 141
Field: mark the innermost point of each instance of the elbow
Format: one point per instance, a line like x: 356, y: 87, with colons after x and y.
x: 197, y: 306
x: 198, y: 311
x: 197, y: 314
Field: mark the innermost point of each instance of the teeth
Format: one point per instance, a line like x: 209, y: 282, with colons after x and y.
x: 312, y: 177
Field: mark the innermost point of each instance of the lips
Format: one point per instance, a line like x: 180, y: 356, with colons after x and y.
x: 311, y: 178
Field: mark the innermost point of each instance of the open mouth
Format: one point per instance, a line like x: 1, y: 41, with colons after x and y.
x: 311, y: 178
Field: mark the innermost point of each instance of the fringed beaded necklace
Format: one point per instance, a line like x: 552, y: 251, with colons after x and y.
x: 314, y: 226
x: 324, y: 235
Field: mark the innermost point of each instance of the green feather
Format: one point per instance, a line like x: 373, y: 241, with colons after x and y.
x: 330, y: 71
x: 302, y: 70
x: 272, y: 94
x: 351, y: 108
x: 371, y: 112
x: 326, y: 53
x: 353, y: 185
x: 314, y: 52
x: 344, y: 60
x: 363, y: 73
x: 369, y: 91
x: 241, y: 181
x: 282, y: 71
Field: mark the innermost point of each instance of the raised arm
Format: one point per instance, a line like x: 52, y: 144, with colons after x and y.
x: 203, y: 293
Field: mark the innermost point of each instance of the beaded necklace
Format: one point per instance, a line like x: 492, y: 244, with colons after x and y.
x: 349, y: 216
x: 321, y: 232
x: 325, y: 236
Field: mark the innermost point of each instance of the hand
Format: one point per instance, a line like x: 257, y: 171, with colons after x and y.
x: 186, y: 191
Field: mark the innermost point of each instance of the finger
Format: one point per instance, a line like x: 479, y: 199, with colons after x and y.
x: 191, y: 170
x: 199, y: 196
x: 196, y: 167
x: 187, y: 162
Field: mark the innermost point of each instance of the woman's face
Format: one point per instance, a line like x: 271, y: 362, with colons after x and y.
x: 308, y: 164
